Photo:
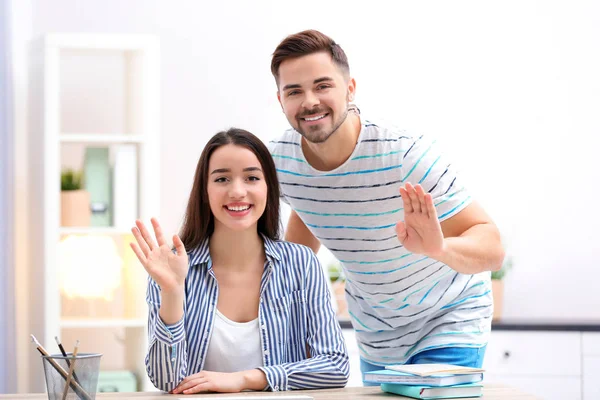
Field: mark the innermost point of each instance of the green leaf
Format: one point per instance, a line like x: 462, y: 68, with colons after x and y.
x: 70, y: 180
x: 336, y: 272
x: 502, y: 271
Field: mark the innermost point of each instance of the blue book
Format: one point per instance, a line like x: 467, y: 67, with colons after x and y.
x: 428, y: 392
x: 390, y: 376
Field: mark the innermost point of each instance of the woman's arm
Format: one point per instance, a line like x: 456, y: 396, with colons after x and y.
x: 328, y: 365
x: 166, y: 361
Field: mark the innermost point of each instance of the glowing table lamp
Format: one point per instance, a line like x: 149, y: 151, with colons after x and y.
x: 90, y: 267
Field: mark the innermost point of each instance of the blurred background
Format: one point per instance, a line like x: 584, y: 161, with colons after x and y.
x: 116, y: 99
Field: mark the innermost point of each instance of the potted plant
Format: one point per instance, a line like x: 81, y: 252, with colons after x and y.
x: 338, y: 283
x: 498, y: 287
x: 74, y: 201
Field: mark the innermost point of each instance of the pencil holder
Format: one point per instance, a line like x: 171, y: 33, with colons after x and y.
x: 82, y: 377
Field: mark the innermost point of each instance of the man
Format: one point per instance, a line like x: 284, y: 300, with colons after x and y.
x: 416, y: 249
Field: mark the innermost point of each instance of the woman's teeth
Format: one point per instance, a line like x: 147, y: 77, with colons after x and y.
x: 240, y: 208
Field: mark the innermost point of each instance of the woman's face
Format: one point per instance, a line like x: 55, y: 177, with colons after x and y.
x: 237, y: 190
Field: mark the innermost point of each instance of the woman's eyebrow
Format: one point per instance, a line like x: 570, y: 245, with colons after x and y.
x: 224, y: 170
x: 248, y: 169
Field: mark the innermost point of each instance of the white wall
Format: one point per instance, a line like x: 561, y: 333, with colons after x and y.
x: 7, y: 276
x: 512, y: 88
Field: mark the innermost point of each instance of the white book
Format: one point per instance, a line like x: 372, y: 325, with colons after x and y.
x: 433, y: 369
x: 390, y: 376
x: 125, y: 185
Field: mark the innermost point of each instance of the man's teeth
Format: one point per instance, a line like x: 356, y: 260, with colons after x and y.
x: 238, y: 208
x: 314, y: 118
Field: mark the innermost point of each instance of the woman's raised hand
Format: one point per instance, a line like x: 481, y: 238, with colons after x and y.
x: 167, y: 268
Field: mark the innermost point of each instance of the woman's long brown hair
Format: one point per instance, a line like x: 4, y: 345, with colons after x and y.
x: 199, y: 223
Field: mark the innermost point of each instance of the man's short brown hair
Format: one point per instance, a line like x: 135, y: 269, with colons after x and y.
x: 305, y: 43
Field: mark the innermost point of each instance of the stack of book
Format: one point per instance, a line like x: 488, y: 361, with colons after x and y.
x: 429, y: 381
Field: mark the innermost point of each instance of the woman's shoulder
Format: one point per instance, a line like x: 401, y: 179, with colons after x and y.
x: 293, y: 254
x: 295, y: 266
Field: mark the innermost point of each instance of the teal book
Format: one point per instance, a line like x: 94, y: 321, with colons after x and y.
x: 97, y: 178
x: 429, y: 392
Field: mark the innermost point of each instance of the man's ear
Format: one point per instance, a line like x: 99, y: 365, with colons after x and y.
x: 351, y: 89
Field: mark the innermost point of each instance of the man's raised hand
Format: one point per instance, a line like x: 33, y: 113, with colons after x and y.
x: 421, y: 231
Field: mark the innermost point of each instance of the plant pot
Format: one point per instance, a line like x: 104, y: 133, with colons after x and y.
x: 498, y: 296
x: 339, y: 290
x: 75, y: 208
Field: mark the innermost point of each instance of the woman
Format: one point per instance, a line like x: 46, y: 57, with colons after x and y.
x: 232, y: 308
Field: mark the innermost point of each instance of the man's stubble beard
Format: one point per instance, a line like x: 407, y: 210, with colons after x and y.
x: 323, y: 139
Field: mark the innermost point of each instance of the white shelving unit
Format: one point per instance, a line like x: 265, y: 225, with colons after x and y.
x: 93, y: 230
x: 141, y: 128
x: 103, y: 323
x: 101, y: 139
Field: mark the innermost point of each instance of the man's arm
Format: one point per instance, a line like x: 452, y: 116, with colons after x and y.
x: 472, y: 242
x: 297, y: 232
x: 468, y: 242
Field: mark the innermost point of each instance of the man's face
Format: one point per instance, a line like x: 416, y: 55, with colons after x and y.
x: 314, y: 95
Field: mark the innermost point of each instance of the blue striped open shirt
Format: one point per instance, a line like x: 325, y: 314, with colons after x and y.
x: 294, y: 312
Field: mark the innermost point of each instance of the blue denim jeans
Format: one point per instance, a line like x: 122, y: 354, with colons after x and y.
x: 464, y: 356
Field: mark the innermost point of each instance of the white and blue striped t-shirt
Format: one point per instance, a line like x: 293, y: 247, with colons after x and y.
x: 400, y: 303
x: 295, y: 317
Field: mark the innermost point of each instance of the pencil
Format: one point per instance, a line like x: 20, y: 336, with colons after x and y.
x: 76, y: 387
x: 71, y: 370
x: 64, y: 353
